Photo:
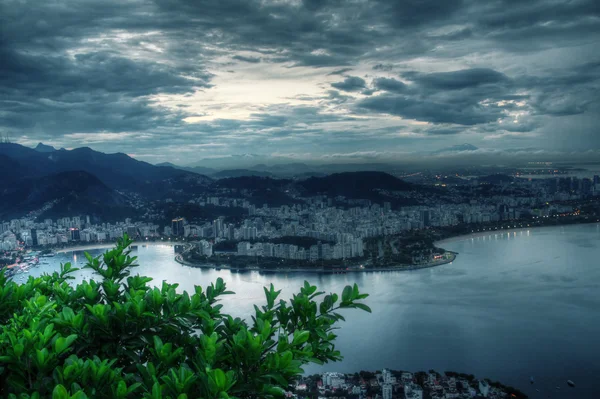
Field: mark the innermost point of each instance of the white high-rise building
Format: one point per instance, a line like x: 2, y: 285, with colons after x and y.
x: 386, y: 391
x: 334, y: 380
x: 484, y: 388
x: 413, y: 391
x: 387, y: 376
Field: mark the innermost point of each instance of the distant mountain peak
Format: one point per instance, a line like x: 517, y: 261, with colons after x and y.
x: 115, y: 170
x: 168, y: 164
x: 41, y: 147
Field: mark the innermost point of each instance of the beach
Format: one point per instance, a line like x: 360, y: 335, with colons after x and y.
x: 489, y: 233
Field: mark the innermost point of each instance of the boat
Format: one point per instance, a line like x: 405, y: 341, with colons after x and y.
x: 571, y: 383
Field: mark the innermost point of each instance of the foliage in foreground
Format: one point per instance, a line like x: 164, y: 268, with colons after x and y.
x: 122, y: 338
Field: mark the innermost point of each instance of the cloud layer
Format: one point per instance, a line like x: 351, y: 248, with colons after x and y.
x: 182, y: 80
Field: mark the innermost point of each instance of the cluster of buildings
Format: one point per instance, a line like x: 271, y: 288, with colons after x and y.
x: 389, y: 384
x: 8, y: 241
x: 340, y: 224
x: 341, y: 250
x: 67, y: 231
x: 343, y: 229
x: 318, y: 217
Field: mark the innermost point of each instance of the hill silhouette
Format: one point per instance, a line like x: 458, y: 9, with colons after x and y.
x: 73, y: 192
x: 115, y: 170
x: 358, y: 185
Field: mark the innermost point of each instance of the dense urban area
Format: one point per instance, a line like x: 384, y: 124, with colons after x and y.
x: 329, y: 231
x: 301, y: 219
x: 392, y: 384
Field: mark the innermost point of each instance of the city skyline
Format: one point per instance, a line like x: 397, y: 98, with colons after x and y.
x: 303, y: 80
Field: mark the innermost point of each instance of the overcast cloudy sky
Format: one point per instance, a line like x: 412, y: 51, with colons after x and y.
x: 182, y: 80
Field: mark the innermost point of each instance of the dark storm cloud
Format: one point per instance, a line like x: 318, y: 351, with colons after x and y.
x: 430, y: 111
x: 456, y: 80
x: 482, y: 96
x: 280, y: 121
x: 442, y: 130
x: 314, y: 60
x: 342, y: 29
x: 451, y: 97
x: 336, y: 97
x: 253, y: 60
x: 88, y: 92
x: 388, y: 84
x: 90, y: 72
x: 383, y: 67
x: 415, y: 13
x: 296, y: 32
x: 51, y: 85
x: 71, y: 66
x: 94, y: 113
x: 351, y: 83
x: 339, y: 71
x: 513, y: 14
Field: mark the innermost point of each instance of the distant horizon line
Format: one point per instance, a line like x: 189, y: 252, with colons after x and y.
x: 460, y: 155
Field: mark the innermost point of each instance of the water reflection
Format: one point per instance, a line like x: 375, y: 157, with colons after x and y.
x: 507, y: 308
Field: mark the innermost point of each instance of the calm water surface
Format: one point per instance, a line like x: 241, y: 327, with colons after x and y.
x: 512, y: 305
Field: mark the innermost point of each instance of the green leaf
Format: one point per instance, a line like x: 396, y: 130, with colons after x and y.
x: 355, y: 292
x: 300, y: 337
x: 273, y: 390
x: 136, y: 341
x: 363, y: 307
x: 220, y: 379
x: 156, y: 391
x: 278, y: 378
x: 18, y: 349
x: 133, y: 387
x: 158, y: 344
x: 60, y: 392
x: 347, y: 294
x: 60, y: 345
x: 122, y: 389
x: 41, y: 356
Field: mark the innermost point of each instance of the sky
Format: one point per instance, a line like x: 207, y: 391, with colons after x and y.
x: 310, y: 80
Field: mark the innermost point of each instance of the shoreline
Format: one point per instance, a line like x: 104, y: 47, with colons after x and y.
x: 111, y: 245
x: 321, y: 270
x: 399, y: 268
x: 503, y: 231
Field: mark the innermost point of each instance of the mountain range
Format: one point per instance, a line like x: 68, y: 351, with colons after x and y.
x: 79, y: 181
x: 73, y: 193
x: 294, y: 170
x: 115, y: 170
x: 41, y: 147
x: 195, y: 169
x: 289, y: 166
x: 90, y: 182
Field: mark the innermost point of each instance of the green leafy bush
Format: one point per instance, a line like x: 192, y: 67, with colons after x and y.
x: 123, y: 338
